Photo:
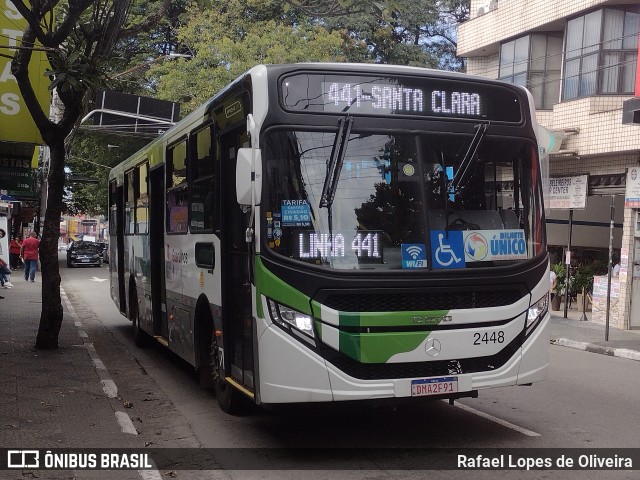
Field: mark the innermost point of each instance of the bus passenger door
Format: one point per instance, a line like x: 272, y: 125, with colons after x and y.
x: 157, y: 253
x: 236, y: 283
x: 119, y: 260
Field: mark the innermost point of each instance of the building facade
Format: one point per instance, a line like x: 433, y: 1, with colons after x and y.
x: 579, y: 59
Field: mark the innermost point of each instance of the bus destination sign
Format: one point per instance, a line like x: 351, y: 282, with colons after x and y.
x: 391, y: 96
x: 402, y: 99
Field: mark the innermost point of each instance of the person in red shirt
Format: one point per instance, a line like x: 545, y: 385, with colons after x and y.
x: 14, y: 253
x: 30, y: 256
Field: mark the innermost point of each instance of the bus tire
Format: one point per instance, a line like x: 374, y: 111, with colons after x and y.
x: 204, y: 327
x: 140, y: 337
x: 229, y: 399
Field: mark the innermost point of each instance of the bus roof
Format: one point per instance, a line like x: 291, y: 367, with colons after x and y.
x: 196, y: 116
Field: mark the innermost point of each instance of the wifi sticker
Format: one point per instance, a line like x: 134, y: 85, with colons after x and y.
x: 414, y: 255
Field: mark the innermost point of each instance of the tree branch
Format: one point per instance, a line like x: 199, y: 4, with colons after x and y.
x: 20, y: 70
x: 76, y: 8
x: 149, y: 23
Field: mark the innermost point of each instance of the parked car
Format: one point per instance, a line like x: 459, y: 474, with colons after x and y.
x: 84, y: 253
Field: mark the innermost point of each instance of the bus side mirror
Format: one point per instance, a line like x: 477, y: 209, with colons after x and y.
x: 246, y: 182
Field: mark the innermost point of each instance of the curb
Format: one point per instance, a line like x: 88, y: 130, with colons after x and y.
x: 594, y: 348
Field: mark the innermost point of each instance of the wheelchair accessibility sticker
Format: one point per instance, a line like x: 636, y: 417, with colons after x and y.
x: 456, y: 248
x: 447, y: 249
x: 414, y: 255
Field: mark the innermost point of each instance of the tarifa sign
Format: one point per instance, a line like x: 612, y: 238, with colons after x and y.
x: 16, y: 124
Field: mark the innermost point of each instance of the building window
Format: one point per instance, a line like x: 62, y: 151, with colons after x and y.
x: 601, y: 53
x: 534, y: 61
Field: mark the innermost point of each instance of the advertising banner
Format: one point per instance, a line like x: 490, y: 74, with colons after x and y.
x: 16, y: 124
x: 568, y: 193
x: 632, y: 192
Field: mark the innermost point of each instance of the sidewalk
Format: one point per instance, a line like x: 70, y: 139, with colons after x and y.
x: 586, y: 335
x: 51, y: 398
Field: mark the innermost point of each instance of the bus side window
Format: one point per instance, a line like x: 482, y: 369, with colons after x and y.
x: 203, y: 171
x: 177, y: 193
x: 130, y: 202
x: 142, y: 199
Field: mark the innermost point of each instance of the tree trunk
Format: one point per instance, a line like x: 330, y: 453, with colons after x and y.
x: 52, y: 313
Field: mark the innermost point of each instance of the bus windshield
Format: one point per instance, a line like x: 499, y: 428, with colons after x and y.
x: 403, y: 201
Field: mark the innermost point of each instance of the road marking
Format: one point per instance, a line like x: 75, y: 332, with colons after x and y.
x: 108, y: 386
x: 150, y: 474
x: 497, y: 420
x: 126, y: 425
x: 96, y: 279
x: 99, y: 364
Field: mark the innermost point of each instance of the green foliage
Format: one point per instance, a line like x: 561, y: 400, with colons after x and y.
x: 583, y: 279
x: 561, y: 273
x: 135, y: 50
x: 72, y: 69
x: 234, y: 36
x: 406, y: 32
x: 91, y: 157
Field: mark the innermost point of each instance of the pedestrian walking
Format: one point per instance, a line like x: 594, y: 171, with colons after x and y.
x: 4, y: 271
x: 30, y: 248
x: 14, y: 253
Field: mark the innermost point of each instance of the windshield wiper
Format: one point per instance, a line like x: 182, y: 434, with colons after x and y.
x: 465, y: 165
x: 334, y: 165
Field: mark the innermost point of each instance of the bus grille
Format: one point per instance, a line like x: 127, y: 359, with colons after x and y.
x: 420, y: 301
x: 438, y: 368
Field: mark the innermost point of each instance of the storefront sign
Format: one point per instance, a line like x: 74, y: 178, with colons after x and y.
x: 568, y: 193
x: 632, y: 192
x: 16, y: 181
x: 16, y: 124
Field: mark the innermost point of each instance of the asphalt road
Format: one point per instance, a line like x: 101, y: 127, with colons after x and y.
x: 589, y: 401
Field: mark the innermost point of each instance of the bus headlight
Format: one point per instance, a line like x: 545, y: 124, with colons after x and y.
x: 290, y: 319
x: 537, y: 311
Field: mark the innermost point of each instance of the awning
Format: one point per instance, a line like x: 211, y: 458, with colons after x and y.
x: 612, y: 184
x: 631, y: 111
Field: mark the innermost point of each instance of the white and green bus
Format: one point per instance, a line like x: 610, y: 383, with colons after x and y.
x: 329, y: 232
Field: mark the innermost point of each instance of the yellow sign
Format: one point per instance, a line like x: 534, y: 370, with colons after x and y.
x: 16, y: 124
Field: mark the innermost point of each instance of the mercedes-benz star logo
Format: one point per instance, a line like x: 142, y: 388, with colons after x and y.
x: 433, y: 347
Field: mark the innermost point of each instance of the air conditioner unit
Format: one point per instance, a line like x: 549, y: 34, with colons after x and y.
x: 481, y: 11
x: 493, y: 4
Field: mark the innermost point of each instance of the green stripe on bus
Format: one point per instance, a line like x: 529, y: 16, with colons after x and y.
x: 273, y: 287
x: 392, y: 319
x: 379, y: 347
